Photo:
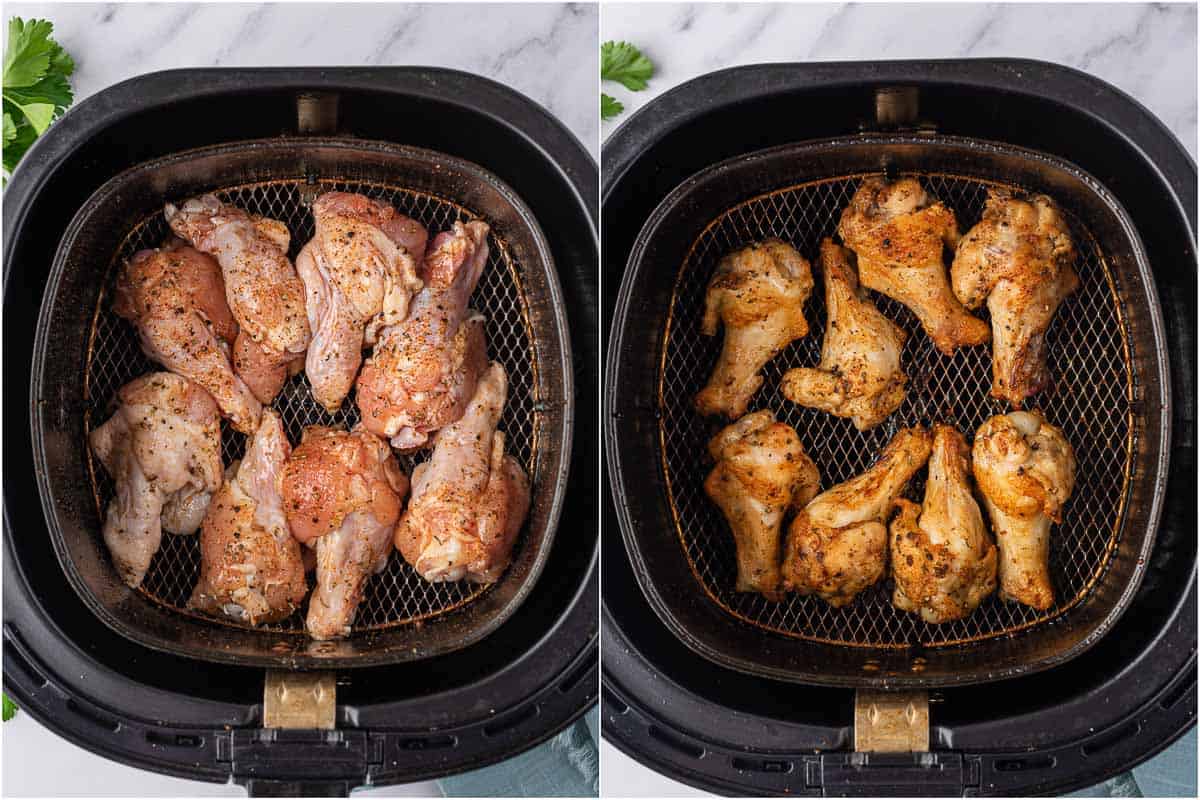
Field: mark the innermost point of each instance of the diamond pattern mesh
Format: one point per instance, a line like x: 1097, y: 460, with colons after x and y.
x: 397, y: 595
x: 1090, y: 401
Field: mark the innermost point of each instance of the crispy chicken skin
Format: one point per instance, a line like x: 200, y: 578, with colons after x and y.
x: 1019, y: 258
x: 163, y: 440
x: 838, y: 544
x: 1025, y: 469
x: 470, y: 499
x: 342, y: 493
x: 757, y: 294
x: 859, y: 376
x: 359, y: 273
x: 250, y: 565
x: 423, y: 371
x: 898, y: 232
x: 943, y: 560
x: 175, y: 297
x: 264, y: 292
x: 762, y: 471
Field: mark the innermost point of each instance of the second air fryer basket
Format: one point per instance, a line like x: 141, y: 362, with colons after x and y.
x: 402, y: 616
x: 1110, y: 397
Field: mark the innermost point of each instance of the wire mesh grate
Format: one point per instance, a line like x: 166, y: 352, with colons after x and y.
x: 1090, y: 400
x: 397, y: 595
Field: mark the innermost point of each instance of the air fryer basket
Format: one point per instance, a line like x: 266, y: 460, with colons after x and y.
x: 1111, y: 397
x: 402, y: 617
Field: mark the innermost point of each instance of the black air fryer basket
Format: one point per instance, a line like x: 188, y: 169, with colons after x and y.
x: 736, y: 694
x: 435, y: 678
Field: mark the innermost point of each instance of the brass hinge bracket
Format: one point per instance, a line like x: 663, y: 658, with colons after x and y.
x: 299, y: 700
x: 891, y: 722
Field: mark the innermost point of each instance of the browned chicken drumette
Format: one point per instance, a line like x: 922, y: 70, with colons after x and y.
x: 162, y: 448
x: 175, y: 296
x: 762, y: 471
x: 943, y: 560
x: 1019, y: 258
x: 423, y: 370
x: 264, y: 292
x: 757, y: 294
x: 859, y: 376
x: 342, y: 492
x: 838, y: 544
x: 1025, y: 469
x: 360, y: 272
x: 470, y: 499
x: 898, y: 233
x: 250, y: 565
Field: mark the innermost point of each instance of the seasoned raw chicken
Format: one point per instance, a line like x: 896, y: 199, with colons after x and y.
x: 762, y: 471
x: 423, y: 371
x: 264, y: 292
x: 859, y: 376
x: 1025, y: 469
x: 943, y: 560
x: 175, y: 296
x: 360, y: 272
x: 1019, y: 257
x: 250, y: 565
x: 837, y: 545
x: 470, y: 499
x: 758, y: 295
x: 342, y: 493
x: 164, y: 441
x: 898, y: 233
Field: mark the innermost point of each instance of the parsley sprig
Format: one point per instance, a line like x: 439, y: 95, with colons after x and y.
x: 623, y: 63
x: 36, y: 91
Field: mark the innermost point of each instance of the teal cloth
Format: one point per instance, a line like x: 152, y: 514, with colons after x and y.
x: 566, y: 766
x: 1171, y: 773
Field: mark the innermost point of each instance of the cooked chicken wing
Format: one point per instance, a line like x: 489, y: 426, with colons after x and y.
x: 360, y: 272
x: 837, y: 545
x: 250, y: 565
x: 470, y: 499
x: 163, y: 440
x: 1025, y: 469
x: 761, y: 472
x: 859, y: 376
x: 758, y: 295
x: 943, y: 560
x: 264, y: 292
x: 342, y: 493
x: 1019, y: 257
x: 175, y: 296
x: 423, y: 371
x: 898, y: 233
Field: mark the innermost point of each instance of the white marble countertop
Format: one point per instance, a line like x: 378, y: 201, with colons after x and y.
x: 546, y: 51
x: 1148, y: 51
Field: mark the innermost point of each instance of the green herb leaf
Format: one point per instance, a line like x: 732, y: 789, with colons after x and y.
x: 10, y: 129
x: 36, y: 91
x: 625, y: 64
x: 610, y: 107
x: 10, y: 709
x: 27, y: 57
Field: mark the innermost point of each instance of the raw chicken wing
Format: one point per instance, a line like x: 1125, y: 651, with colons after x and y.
x: 360, y: 272
x: 859, y: 376
x: 758, y: 295
x: 1025, y: 469
x: 250, y: 565
x: 470, y: 499
x: 264, y: 292
x: 163, y: 441
x: 423, y: 371
x: 898, y: 233
x: 342, y: 494
x: 1019, y: 257
x: 175, y: 296
x: 837, y: 545
x: 943, y: 560
x: 762, y: 471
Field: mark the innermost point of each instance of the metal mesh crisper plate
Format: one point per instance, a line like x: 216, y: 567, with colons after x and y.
x: 1090, y: 401
x: 397, y: 595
